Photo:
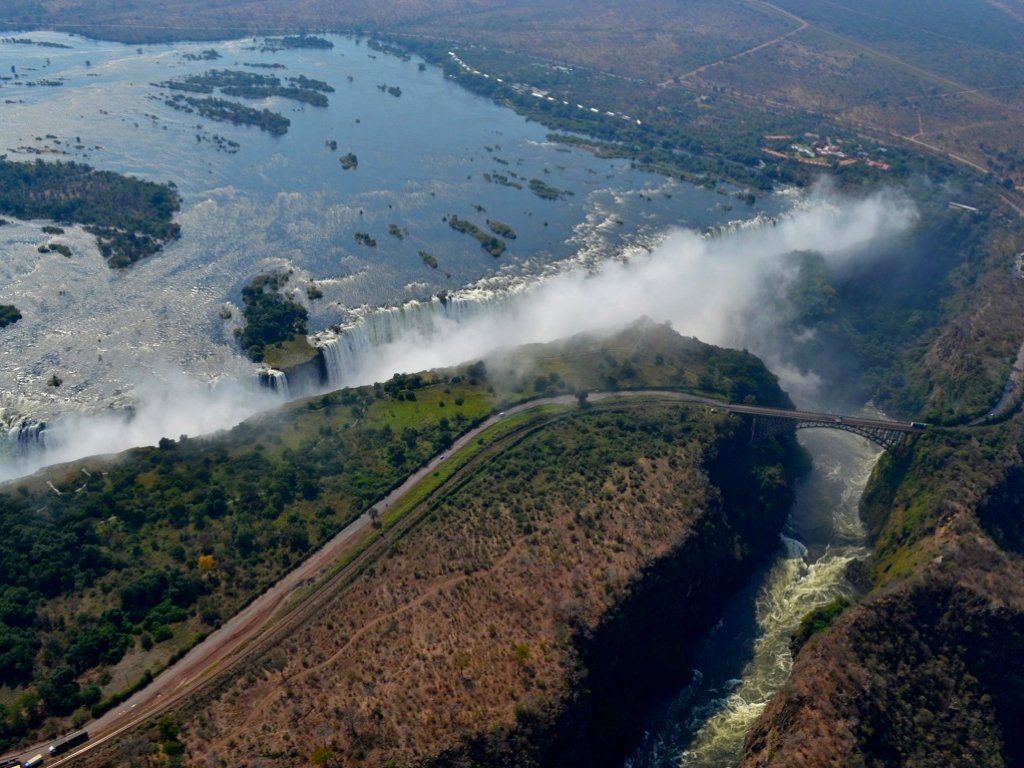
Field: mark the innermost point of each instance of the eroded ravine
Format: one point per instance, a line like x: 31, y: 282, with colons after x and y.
x: 746, y: 658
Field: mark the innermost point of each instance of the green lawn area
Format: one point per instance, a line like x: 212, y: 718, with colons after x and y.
x: 287, y: 354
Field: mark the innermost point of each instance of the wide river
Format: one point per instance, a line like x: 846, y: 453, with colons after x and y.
x: 283, y: 202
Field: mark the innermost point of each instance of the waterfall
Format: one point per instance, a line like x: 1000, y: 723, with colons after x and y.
x: 28, y: 434
x: 275, y: 381
x: 24, y: 438
x: 351, y: 348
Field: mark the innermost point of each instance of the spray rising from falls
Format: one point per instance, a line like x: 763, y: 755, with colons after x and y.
x: 705, y: 286
x: 170, y: 407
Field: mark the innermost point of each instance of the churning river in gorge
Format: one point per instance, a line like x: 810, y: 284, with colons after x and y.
x: 745, y: 659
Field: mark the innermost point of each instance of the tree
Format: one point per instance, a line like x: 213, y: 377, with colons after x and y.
x: 60, y: 691
x: 17, y: 653
x: 321, y: 756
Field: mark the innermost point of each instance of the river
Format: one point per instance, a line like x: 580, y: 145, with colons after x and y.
x: 745, y: 659
x: 254, y: 202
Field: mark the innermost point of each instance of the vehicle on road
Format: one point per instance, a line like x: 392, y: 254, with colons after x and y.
x: 69, y: 742
x: 34, y: 762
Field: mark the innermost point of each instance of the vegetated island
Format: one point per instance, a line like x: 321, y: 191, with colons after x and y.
x: 209, y: 54
x: 349, y: 161
x: 391, y: 50
x: 502, y: 180
x: 394, y: 90
x: 226, y: 111
x: 274, y: 44
x: 429, y: 259
x: 61, y: 248
x: 275, y: 325
x: 37, y: 43
x: 130, y: 218
x: 311, y: 84
x: 544, y: 190
x: 517, y: 577
x: 9, y: 315
x: 493, y: 245
x: 364, y: 238
x: 501, y: 229
x: 249, y: 85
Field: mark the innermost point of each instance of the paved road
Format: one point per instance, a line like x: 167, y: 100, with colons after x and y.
x: 242, y: 630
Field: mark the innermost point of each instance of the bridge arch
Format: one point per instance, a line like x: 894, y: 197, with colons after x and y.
x: 886, y: 439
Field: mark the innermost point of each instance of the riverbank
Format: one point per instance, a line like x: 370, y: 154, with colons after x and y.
x: 747, y: 657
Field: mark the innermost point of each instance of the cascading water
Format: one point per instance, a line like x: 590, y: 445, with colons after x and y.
x: 351, y: 353
x: 348, y: 352
x: 275, y: 381
x: 746, y: 658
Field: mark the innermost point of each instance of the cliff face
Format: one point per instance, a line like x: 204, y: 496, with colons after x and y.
x: 308, y: 377
x: 640, y: 649
x: 528, y: 620
x: 928, y: 669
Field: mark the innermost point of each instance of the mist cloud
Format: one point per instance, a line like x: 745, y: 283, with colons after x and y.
x: 709, y: 287
x: 167, y: 407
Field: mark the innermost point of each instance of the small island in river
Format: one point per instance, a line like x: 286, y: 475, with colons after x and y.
x: 130, y: 218
x: 226, y: 111
x: 250, y: 85
x: 275, y: 325
x: 493, y: 245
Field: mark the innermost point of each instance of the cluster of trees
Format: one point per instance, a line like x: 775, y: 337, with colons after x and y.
x: 209, y: 54
x: 493, y: 245
x: 545, y: 191
x: 9, y: 314
x: 270, y: 316
x: 130, y: 218
x: 249, y: 85
x: 501, y: 229
x: 310, y: 84
x: 226, y: 111
x: 272, y: 44
x: 391, y: 50
x: 188, y: 531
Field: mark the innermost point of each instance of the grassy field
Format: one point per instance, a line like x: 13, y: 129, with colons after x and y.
x: 286, y: 354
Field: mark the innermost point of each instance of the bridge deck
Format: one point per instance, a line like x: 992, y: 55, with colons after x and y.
x: 825, y: 418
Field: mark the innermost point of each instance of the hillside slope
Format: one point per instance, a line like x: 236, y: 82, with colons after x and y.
x: 111, y: 568
x: 927, y: 669
x: 527, y: 619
